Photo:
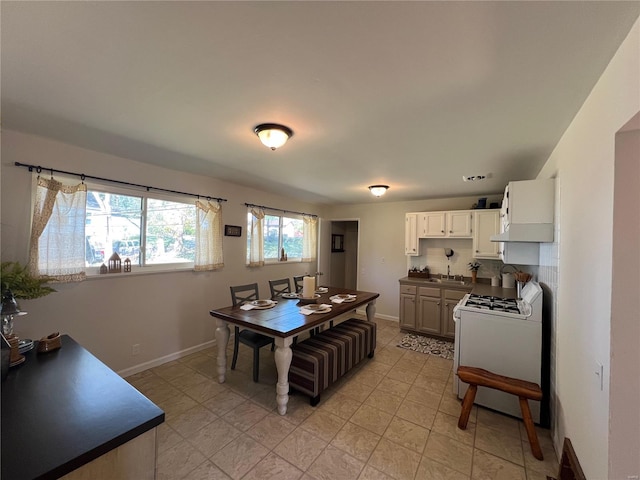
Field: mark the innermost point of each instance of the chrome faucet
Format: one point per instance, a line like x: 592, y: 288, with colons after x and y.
x: 448, y: 271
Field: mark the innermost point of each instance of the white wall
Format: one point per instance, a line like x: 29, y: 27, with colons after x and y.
x: 165, y: 313
x: 583, y: 161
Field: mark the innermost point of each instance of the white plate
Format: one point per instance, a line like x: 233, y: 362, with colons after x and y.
x: 290, y: 295
x: 317, y: 308
x: 263, y: 304
x: 344, y: 296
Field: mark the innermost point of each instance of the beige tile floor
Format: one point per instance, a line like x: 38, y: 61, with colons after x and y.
x: 392, y: 417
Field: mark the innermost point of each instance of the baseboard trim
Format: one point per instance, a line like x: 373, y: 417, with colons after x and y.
x: 127, y: 372
x: 361, y: 311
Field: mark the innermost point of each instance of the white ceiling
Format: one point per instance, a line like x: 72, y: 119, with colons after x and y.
x: 411, y: 94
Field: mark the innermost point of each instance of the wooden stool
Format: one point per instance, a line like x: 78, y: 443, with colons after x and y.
x: 478, y: 377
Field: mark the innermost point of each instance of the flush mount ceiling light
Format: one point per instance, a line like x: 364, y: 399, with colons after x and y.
x: 378, y: 190
x: 273, y: 135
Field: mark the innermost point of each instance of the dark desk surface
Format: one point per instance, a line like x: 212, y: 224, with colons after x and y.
x: 63, y: 409
x: 285, y: 319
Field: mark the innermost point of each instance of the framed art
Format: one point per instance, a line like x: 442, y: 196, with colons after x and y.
x: 232, y: 231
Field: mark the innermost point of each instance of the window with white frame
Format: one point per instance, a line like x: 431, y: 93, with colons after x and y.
x: 143, y: 228
x: 270, y: 234
x: 76, y: 228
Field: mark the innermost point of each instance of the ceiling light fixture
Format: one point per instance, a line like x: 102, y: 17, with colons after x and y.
x: 273, y: 135
x: 378, y: 190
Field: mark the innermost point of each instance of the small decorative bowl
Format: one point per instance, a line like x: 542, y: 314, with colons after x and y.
x: 50, y: 343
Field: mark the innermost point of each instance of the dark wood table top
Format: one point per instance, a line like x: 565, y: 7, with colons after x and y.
x: 63, y: 409
x: 285, y: 320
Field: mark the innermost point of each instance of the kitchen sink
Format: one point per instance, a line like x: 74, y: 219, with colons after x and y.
x: 446, y: 281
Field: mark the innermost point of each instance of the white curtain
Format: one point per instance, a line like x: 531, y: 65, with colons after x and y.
x: 57, y: 246
x: 310, y: 238
x: 256, y: 247
x: 208, y: 236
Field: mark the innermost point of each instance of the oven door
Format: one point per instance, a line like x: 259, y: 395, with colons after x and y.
x: 505, y: 345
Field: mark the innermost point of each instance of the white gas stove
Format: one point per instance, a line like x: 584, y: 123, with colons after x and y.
x: 503, y: 336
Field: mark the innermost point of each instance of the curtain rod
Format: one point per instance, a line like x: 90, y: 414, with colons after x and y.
x: 280, y: 210
x: 82, y: 176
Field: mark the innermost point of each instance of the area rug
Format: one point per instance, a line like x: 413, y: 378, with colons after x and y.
x: 432, y: 346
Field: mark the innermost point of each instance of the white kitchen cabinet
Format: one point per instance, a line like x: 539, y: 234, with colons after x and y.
x: 432, y: 224
x: 459, y: 224
x: 453, y: 224
x: 411, y: 234
x: 485, y: 224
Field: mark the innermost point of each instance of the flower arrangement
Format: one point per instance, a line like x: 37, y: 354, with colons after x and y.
x: 474, y: 266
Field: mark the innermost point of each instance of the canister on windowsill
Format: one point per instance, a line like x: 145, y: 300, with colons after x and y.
x: 495, y: 281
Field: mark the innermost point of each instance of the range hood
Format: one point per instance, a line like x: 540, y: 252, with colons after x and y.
x: 526, y: 232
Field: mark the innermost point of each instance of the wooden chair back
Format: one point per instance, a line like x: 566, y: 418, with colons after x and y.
x: 244, y: 293
x: 298, y: 281
x: 278, y: 287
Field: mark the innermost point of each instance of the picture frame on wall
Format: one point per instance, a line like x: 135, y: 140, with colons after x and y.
x: 232, y: 231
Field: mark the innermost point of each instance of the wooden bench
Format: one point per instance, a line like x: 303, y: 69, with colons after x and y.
x: 478, y: 377
x: 321, y: 360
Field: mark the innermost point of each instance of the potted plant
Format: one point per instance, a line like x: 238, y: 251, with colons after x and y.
x: 474, y: 266
x: 16, y: 277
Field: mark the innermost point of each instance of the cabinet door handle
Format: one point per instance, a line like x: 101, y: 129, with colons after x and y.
x: 477, y: 251
x: 450, y: 231
x: 438, y: 304
x: 442, y: 231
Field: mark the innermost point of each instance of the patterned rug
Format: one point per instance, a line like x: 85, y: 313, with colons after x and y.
x: 432, y: 346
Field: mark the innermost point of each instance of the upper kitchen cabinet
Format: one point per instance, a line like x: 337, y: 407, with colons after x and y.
x: 432, y: 224
x: 459, y: 224
x: 485, y: 224
x: 411, y: 234
x: 454, y: 224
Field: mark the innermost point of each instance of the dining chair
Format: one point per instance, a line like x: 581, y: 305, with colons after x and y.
x: 278, y: 287
x: 298, y: 281
x: 242, y: 294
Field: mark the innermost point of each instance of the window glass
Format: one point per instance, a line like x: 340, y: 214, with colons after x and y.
x: 170, y: 232
x: 271, y: 237
x: 292, y: 237
x: 112, y: 226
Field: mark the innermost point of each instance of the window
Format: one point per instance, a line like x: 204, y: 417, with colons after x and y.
x: 278, y: 232
x: 146, y: 230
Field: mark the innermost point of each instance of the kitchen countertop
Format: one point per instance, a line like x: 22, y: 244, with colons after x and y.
x: 65, y: 408
x: 480, y: 288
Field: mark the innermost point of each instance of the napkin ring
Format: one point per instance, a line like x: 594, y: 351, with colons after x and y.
x: 49, y: 343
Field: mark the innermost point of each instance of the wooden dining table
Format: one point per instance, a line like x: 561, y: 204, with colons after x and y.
x: 283, y: 322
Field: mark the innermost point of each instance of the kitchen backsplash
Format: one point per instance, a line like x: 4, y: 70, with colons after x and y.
x: 432, y: 256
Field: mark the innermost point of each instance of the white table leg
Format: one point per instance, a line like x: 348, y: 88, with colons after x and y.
x: 371, y: 310
x: 222, y: 339
x: 283, y: 358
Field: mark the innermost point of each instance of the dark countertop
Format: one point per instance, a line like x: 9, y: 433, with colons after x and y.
x: 63, y: 409
x: 483, y: 287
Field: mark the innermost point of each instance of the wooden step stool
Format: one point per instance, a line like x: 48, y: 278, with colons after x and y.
x: 478, y: 377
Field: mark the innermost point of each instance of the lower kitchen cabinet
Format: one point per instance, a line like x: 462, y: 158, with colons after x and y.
x: 451, y: 299
x: 408, y: 307
x: 429, y: 310
x: 429, y: 314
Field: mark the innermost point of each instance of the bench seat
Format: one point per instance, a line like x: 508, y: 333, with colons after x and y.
x: 321, y: 360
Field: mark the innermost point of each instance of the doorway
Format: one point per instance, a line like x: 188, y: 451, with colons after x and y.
x: 343, y: 269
